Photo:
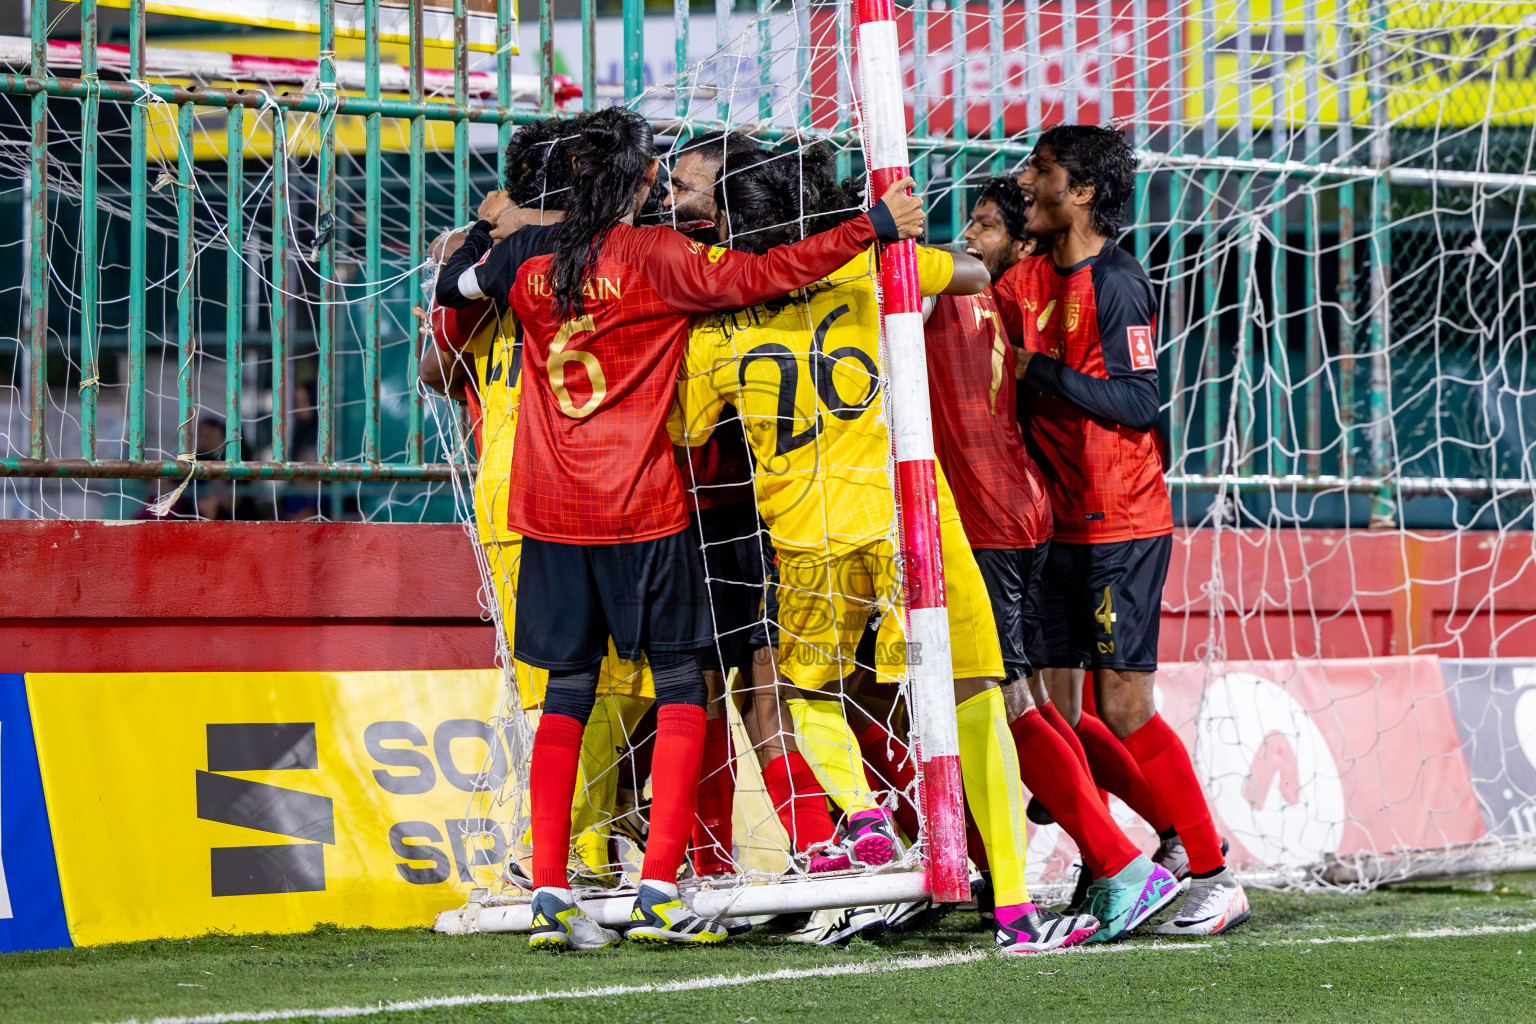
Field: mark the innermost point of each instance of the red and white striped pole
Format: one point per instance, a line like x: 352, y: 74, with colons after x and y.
x: 883, y: 119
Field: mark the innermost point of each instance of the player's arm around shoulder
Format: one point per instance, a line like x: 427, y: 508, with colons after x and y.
x: 694, y: 278
x: 968, y: 275
x: 1126, y: 312
x: 946, y: 272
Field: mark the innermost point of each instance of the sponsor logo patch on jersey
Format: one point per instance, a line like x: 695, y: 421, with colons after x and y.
x: 1143, y: 352
x: 1045, y: 316
x: 715, y: 252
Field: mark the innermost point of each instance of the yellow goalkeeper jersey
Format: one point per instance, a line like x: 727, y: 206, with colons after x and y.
x: 804, y: 373
x: 497, y: 361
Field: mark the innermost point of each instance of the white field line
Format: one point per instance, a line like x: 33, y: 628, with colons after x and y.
x: 914, y: 963
x: 1438, y: 933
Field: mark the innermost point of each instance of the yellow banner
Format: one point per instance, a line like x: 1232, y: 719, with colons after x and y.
x: 1442, y: 64
x: 209, y: 135
x: 395, y: 17
x: 246, y: 802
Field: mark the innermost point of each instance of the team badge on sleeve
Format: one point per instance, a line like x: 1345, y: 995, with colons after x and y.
x: 1143, y: 352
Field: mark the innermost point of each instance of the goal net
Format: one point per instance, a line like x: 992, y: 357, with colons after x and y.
x: 1333, y: 203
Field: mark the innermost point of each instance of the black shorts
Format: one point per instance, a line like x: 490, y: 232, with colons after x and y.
x: 648, y: 595
x: 766, y: 632
x: 734, y: 557
x: 1015, y: 586
x: 1110, y: 602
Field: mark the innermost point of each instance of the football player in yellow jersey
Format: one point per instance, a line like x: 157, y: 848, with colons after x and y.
x: 804, y: 375
x: 476, y: 359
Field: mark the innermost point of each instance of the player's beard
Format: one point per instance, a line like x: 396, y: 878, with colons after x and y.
x: 996, y: 262
x: 653, y: 210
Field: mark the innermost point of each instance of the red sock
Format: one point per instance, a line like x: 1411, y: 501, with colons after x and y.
x: 1054, y: 774
x: 1054, y: 719
x: 1090, y: 707
x: 974, y: 847
x: 674, y: 789
x: 551, y: 786
x: 1114, y: 766
x: 799, y: 800
x: 717, y: 795
x: 889, y: 759
x: 1166, y: 764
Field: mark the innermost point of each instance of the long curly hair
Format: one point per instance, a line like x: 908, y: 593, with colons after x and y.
x: 770, y: 199
x: 539, y: 162
x: 608, y: 157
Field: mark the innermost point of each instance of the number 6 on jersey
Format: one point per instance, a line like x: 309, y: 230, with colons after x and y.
x: 559, y: 357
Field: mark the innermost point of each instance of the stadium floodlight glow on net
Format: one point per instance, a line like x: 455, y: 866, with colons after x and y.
x: 1334, y: 201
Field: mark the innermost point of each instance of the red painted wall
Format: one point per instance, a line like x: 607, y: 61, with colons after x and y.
x: 177, y: 597
x: 1349, y: 594
x: 95, y: 597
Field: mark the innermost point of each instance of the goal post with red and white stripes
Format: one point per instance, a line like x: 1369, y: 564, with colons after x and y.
x: 882, y: 110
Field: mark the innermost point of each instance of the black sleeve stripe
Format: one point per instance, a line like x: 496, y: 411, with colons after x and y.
x: 477, y: 242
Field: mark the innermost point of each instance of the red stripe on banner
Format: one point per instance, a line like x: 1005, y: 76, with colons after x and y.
x: 240, y: 597
x: 944, y: 814
x: 920, y: 545
x: 876, y: 10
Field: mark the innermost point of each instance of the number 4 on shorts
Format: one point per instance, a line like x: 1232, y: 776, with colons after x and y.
x: 1104, y: 614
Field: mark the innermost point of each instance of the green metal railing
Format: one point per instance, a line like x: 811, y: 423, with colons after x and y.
x: 328, y: 102
x: 1240, y: 417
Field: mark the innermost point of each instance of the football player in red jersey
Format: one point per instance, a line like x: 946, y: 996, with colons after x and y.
x: 1084, y: 313
x: 1007, y: 517
x: 595, y: 492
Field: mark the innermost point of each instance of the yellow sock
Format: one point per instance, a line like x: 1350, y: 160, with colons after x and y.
x: 828, y: 746
x: 989, y: 764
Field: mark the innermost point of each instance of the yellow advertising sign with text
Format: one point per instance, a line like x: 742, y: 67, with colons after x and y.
x: 245, y: 802
x: 1440, y: 64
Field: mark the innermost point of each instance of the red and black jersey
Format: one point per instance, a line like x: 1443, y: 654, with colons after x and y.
x: 998, y: 488
x: 593, y: 463
x: 451, y: 331
x: 1092, y: 391
x: 721, y: 468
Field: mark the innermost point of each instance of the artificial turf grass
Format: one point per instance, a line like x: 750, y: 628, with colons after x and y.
x: 1259, y: 973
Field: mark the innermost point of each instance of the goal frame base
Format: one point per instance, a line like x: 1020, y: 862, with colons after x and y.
x: 751, y: 900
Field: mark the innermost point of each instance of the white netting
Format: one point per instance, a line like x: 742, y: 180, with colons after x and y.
x: 1344, y: 328
x: 82, y: 370
x: 1322, y: 373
